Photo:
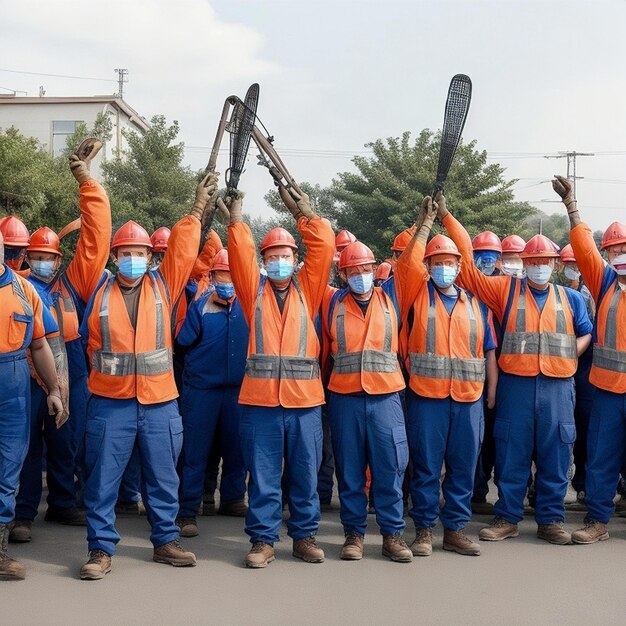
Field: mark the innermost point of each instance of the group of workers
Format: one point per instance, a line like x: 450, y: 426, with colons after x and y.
x: 454, y: 358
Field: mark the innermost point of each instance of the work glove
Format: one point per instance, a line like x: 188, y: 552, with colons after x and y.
x: 231, y: 205
x: 296, y: 201
x: 82, y: 157
x: 440, y: 203
x: 564, y: 188
x: 425, y: 219
x: 205, y: 189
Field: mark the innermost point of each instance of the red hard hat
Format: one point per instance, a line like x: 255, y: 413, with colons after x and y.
x: 278, y: 237
x: 567, y: 254
x: 440, y: 244
x: 45, y: 239
x: 383, y: 271
x: 343, y: 238
x: 220, y: 261
x: 355, y: 254
x: 402, y: 240
x: 14, y: 232
x: 513, y: 244
x: 613, y: 235
x: 540, y: 246
x: 131, y: 234
x: 487, y: 241
x: 159, y: 239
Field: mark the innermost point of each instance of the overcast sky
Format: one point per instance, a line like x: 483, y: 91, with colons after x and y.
x: 547, y: 76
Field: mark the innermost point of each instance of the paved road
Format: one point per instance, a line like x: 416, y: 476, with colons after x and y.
x: 519, y: 581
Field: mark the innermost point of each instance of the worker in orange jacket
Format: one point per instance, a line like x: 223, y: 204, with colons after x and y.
x: 282, y: 390
x: 448, y: 347
x: 607, y: 434
x: 65, y: 292
x: 544, y: 329
x: 360, y: 339
x: 16, y: 239
x: 21, y: 327
x: 127, y: 327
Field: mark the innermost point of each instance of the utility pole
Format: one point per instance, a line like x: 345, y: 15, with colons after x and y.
x: 571, y: 164
x: 122, y: 77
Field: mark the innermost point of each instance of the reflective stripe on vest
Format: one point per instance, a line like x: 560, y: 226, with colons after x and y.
x: 158, y: 361
x: 300, y: 367
x: 20, y: 353
x: 21, y: 296
x: 431, y: 365
x: 557, y: 344
x: 366, y: 360
x: 607, y: 356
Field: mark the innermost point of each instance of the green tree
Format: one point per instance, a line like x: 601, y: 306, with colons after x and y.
x: 383, y: 197
x: 102, y: 129
x: 149, y: 184
x: 555, y: 226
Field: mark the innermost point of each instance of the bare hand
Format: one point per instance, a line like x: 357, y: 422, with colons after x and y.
x: 55, y: 407
x: 491, y: 400
x: 564, y: 188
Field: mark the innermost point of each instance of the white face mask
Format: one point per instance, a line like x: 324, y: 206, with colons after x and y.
x: 539, y: 274
x: 571, y: 273
x: 513, y: 268
x: 619, y: 264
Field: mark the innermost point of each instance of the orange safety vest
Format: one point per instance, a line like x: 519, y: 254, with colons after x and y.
x: 539, y: 342
x: 365, y: 348
x: 283, y: 353
x: 64, y: 311
x: 446, y: 355
x: 608, y: 369
x: 145, y: 372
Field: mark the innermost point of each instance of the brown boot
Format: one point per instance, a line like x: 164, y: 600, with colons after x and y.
x: 260, y: 555
x: 352, y: 549
x: 172, y: 553
x: 554, y: 533
x: 97, y: 566
x: 237, y: 508
x: 423, y: 543
x: 395, y: 548
x: 188, y: 526
x: 498, y: 530
x: 591, y: 533
x: 457, y: 541
x: 20, y: 531
x: 9, y: 567
x: 307, y: 550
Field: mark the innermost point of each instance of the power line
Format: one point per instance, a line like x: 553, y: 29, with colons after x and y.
x: 108, y: 80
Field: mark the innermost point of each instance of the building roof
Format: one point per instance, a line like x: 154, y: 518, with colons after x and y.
x: 114, y: 101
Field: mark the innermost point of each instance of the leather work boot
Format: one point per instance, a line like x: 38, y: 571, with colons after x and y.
x: 498, y: 530
x: 554, y: 533
x: 352, y: 549
x: 238, y: 508
x: 395, y: 548
x: 307, y: 550
x: 457, y: 541
x: 591, y: 533
x: 9, y: 567
x: 172, y: 553
x: 188, y: 526
x: 97, y: 566
x: 260, y: 555
x: 20, y: 531
x: 67, y: 517
x: 208, y: 505
x: 423, y: 542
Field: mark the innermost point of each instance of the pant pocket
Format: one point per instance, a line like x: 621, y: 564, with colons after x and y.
x: 567, y: 433
x: 94, y: 436
x: 402, y: 448
x: 176, y: 436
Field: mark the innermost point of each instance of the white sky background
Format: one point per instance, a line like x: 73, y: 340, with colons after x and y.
x: 548, y: 76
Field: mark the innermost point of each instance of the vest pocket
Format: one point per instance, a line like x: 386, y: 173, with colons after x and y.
x: 402, y: 448
x: 17, y: 330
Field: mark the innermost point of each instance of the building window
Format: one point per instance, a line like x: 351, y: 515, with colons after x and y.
x: 61, y: 130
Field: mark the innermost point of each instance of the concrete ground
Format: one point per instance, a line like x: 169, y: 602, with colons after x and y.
x: 518, y: 581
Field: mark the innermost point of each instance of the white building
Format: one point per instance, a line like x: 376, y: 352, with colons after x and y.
x: 51, y: 120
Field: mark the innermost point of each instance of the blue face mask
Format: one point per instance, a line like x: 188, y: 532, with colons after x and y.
x: 225, y: 291
x: 361, y: 283
x: 443, y: 275
x: 133, y: 267
x: 279, y: 270
x: 42, y: 269
x: 485, y: 261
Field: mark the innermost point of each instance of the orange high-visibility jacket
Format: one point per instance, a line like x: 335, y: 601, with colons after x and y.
x: 283, y: 351
x: 445, y: 353
x: 608, y: 369
x: 137, y: 363
x: 532, y: 342
x: 364, y: 348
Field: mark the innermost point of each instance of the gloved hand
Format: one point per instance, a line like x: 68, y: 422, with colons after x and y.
x: 206, y: 188
x: 296, y: 201
x: 232, y: 206
x: 440, y: 203
x: 427, y: 212
x: 82, y: 157
x: 564, y: 188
